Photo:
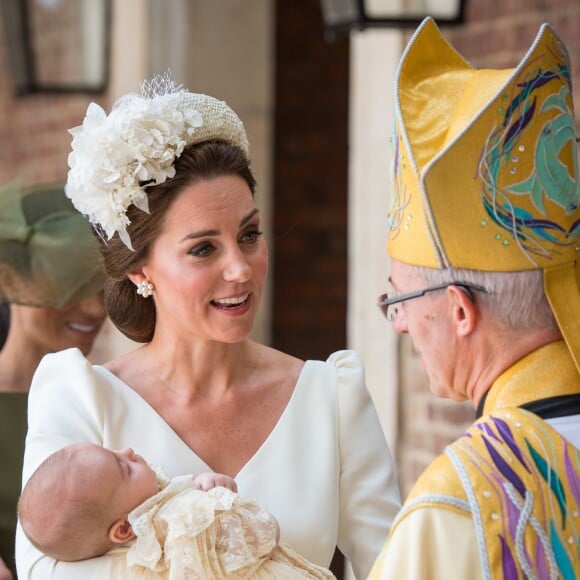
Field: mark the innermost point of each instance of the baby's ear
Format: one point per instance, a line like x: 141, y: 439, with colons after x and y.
x: 121, y: 532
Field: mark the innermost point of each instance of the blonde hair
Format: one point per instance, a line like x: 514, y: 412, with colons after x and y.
x: 58, y: 516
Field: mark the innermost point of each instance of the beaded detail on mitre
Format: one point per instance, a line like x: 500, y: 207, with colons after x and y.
x: 485, y: 171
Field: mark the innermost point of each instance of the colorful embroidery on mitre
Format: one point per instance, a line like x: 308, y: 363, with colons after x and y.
x: 523, y: 481
x: 400, y: 195
x: 535, y: 233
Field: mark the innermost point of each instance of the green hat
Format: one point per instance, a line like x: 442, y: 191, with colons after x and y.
x: 48, y: 254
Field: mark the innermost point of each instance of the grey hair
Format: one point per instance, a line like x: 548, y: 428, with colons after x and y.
x: 517, y: 300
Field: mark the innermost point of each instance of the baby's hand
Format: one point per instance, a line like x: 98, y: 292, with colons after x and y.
x: 209, y: 480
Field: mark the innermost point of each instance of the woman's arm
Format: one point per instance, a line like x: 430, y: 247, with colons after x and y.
x: 64, y: 406
x: 369, y: 494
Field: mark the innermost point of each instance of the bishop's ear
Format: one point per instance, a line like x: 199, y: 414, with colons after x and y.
x: 465, y: 311
x: 121, y: 531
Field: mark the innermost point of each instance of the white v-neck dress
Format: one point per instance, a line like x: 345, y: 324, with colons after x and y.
x: 325, y: 471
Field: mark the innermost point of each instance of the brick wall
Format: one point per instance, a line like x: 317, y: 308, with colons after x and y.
x: 496, y: 35
x: 310, y: 181
x: 33, y: 129
x: 310, y: 184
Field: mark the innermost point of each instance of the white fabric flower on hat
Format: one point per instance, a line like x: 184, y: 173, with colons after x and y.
x: 115, y: 157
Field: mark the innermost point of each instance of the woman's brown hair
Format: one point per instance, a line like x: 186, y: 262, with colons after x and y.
x: 133, y: 315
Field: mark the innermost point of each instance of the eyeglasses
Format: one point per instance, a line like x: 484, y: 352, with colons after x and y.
x: 384, y: 301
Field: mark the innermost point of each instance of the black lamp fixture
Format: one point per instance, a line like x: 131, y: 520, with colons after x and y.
x: 57, y: 46
x: 340, y: 16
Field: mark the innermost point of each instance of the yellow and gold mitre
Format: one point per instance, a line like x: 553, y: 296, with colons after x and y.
x: 485, y: 167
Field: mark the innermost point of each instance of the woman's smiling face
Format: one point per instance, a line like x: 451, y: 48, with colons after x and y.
x: 54, y: 329
x: 209, y: 262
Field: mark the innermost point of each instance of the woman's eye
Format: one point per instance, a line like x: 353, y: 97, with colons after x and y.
x: 202, y: 250
x: 251, y: 236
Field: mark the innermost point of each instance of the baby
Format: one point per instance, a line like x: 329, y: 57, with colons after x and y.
x: 84, y: 500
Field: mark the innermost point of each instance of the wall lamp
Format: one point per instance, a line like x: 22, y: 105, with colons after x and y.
x: 340, y: 16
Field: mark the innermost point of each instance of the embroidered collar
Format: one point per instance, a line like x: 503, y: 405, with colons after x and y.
x: 545, y: 373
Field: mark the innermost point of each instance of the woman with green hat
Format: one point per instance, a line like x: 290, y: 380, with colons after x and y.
x: 51, y: 299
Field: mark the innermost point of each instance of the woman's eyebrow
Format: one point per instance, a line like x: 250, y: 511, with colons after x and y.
x: 249, y: 217
x: 209, y: 233
x: 200, y: 234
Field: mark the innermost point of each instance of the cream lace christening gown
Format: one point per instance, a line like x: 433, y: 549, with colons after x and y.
x: 184, y: 533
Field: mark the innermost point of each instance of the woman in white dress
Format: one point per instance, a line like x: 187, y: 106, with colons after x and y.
x: 165, y: 179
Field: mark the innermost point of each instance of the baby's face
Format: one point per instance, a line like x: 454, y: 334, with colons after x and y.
x: 125, y: 478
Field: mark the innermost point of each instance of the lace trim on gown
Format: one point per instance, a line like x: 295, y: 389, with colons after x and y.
x: 183, y: 532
